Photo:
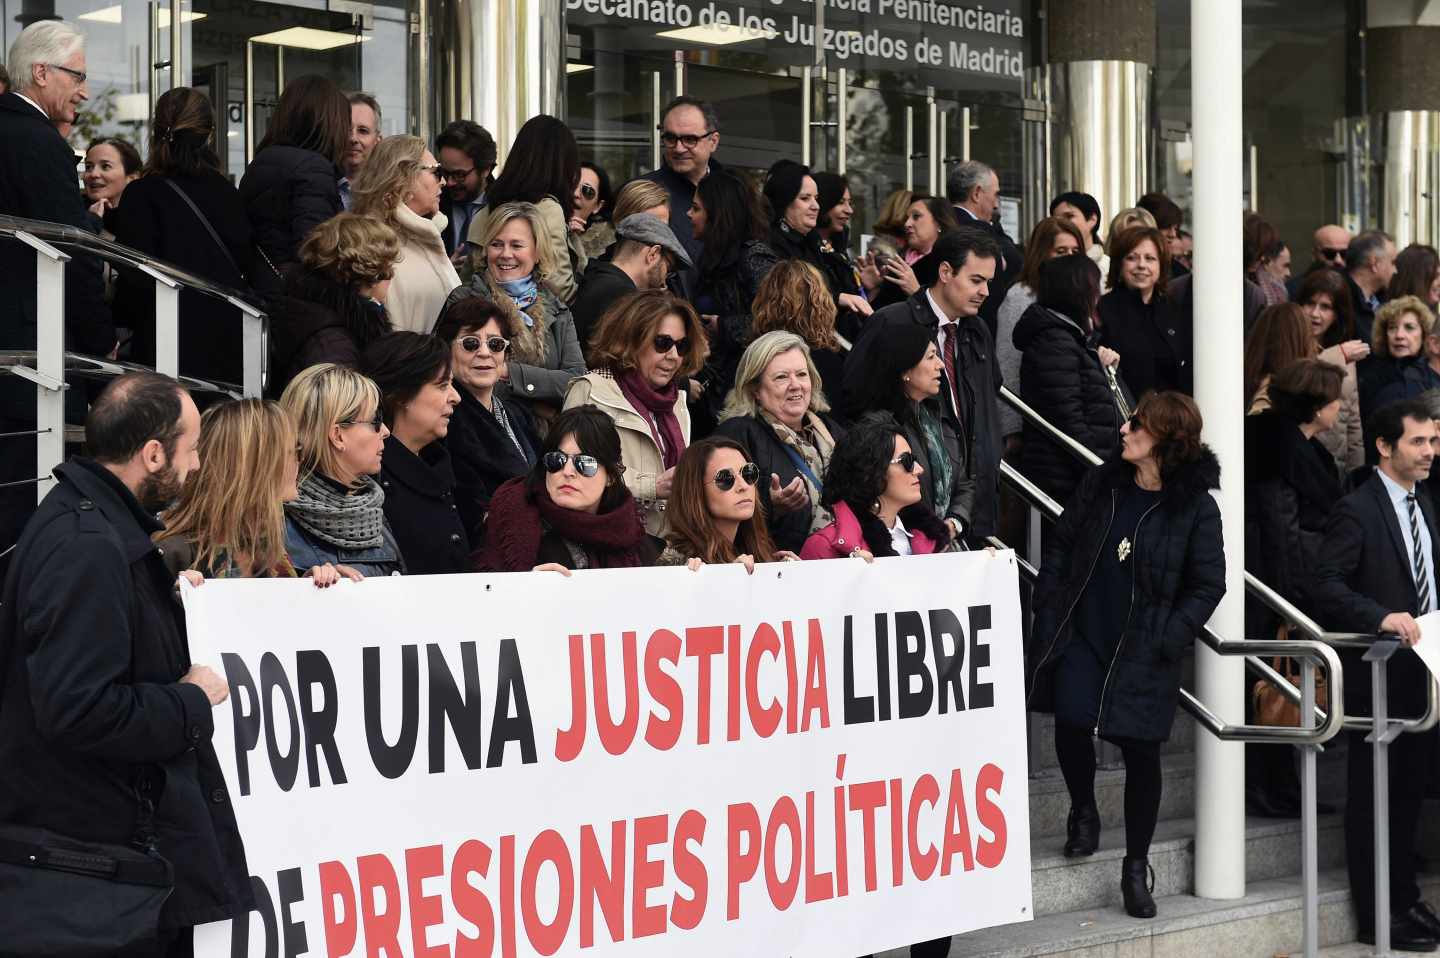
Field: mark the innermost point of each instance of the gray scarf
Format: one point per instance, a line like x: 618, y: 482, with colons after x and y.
x: 354, y: 521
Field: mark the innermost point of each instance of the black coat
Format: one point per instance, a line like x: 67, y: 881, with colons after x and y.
x: 1364, y: 312
x: 1363, y: 575
x: 1179, y: 570
x: 840, y: 278
x: 92, y: 710
x: 1153, y: 340
x: 1383, y: 380
x: 155, y: 221
x: 483, y: 456
x: 316, y: 320
x: 1290, y: 488
x: 603, y: 284
x: 1062, y: 379
x: 726, y: 290
x: 790, y: 530
x: 287, y: 192
x: 976, y: 423
x: 421, y: 508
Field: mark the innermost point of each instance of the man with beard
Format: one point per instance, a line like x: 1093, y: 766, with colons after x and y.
x: 646, y: 253
x: 105, y: 725
x: 466, y: 152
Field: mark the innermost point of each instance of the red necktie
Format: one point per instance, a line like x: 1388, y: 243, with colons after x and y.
x: 948, y: 354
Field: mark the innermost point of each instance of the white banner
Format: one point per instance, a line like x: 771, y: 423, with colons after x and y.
x: 821, y: 759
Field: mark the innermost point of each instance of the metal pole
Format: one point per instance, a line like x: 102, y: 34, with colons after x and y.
x: 252, y: 349
x: 655, y: 112
x: 940, y: 145
x: 167, y: 322
x: 909, y: 148
x: 1219, y: 191
x: 152, y: 9
x: 249, y: 101
x: 1309, y: 851
x: 279, y: 71
x: 1254, y: 179
x: 424, y: 82
x: 679, y: 73
x: 805, y: 94
x: 965, y: 134
x: 49, y: 376
x: 1378, y: 656
x: 177, y: 45
x: 931, y: 160
x: 842, y: 116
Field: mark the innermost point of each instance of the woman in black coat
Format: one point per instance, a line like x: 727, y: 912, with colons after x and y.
x: 1138, y: 319
x: 1291, y: 486
x: 1134, y: 570
x: 292, y: 185
x: 417, y: 399
x: 1062, y: 375
x: 158, y: 220
x: 795, y: 213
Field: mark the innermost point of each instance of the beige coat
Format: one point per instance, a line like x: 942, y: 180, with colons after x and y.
x: 638, y: 451
x: 569, y: 254
x: 1344, y: 441
x: 424, y: 275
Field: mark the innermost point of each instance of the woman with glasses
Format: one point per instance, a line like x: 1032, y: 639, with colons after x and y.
x: 399, y: 186
x: 339, y: 516
x: 572, y: 511
x: 645, y: 346
x: 417, y: 399
x: 715, y: 509
x: 873, y: 488
x: 1132, y: 574
x: 490, y: 440
x: 593, y: 202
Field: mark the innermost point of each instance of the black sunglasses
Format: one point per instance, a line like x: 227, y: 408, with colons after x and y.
x: 663, y: 344
x: 906, y: 461
x: 496, y: 344
x: 376, y: 424
x: 1332, y: 253
x: 587, y: 191
x: 1134, y: 423
x: 725, y: 478
x: 587, y: 466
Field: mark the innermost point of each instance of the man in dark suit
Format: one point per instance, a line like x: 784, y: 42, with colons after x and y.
x: 1376, y: 575
x: 466, y: 152
x: 1369, y: 268
x: 974, y: 190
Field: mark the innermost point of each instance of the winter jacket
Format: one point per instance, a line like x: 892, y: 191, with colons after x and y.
x: 93, y: 715
x: 727, y: 290
x: 638, y: 452
x: 518, y: 537
x: 424, y: 275
x: 316, y: 320
x: 483, y: 456
x: 287, y: 192
x: 604, y: 284
x: 570, y: 258
x: 788, y: 530
x: 1153, y: 340
x: 1061, y: 378
x: 421, y: 511
x: 1383, y: 380
x: 1179, y: 570
x: 846, y: 534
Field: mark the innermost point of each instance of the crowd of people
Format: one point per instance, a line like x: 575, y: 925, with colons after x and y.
x: 529, y: 366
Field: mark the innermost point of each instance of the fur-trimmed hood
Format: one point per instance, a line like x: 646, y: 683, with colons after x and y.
x: 1186, y: 480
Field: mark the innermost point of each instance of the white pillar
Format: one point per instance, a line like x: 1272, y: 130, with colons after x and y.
x: 1219, y: 344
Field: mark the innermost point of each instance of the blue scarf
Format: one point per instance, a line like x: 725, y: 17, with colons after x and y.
x: 524, y: 292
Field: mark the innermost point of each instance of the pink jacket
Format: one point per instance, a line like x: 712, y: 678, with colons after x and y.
x: 843, y: 536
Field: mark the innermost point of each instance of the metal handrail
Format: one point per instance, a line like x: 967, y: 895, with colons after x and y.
x: 90, y: 367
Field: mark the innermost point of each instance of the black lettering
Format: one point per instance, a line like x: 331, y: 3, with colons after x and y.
x: 858, y: 709
x: 292, y: 890
x: 910, y: 664
x: 247, y: 724
x: 949, y: 669
x: 882, y: 664
x: 240, y: 925
x: 505, y: 728
x: 311, y: 669
x: 982, y: 694
x: 447, y: 706
x: 272, y: 677
x: 392, y: 760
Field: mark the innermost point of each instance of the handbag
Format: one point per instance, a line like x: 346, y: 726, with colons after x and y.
x: 1272, y: 707
x: 72, y: 898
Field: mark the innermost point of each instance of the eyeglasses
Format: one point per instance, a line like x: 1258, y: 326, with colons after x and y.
x: 587, y: 191
x: 1135, y: 424
x: 376, y: 424
x: 587, y: 466
x: 431, y: 168
x: 906, y: 461
x: 455, y: 175
x: 1331, y: 253
x: 687, y: 140
x: 496, y: 344
x: 79, y: 75
x: 725, y: 478
x: 663, y: 344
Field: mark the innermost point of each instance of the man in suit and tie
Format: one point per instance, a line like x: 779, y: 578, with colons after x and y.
x: 974, y: 190
x: 1377, y: 575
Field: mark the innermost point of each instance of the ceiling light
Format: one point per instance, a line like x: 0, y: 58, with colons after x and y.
x: 308, y: 38
x: 115, y: 15
x: 717, y: 35
x: 577, y: 67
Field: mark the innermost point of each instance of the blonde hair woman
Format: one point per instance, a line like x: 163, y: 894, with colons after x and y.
x: 1124, y: 220
x: 399, y: 185
x: 513, y: 258
x: 1397, y: 367
x: 777, y: 411
x: 229, y: 522
x: 339, y: 514
x: 641, y: 196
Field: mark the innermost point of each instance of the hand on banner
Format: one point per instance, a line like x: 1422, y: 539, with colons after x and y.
x: 865, y: 554
x: 1402, y: 624
x: 694, y: 564
x: 191, y: 576
x: 552, y: 567
x: 214, y: 687
x: 748, y: 561
x: 785, y: 555
x: 324, y: 576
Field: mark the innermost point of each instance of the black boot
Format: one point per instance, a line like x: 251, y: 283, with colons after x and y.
x: 1137, y: 881
x: 1082, y: 831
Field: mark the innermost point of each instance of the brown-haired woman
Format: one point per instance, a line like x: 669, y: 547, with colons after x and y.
x: 644, y: 347
x: 1134, y: 570
x: 157, y: 219
x: 715, y: 511
x: 1325, y: 298
x: 292, y: 185
x: 795, y: 298
x: 1137, y: 318
x: 1417, y: 273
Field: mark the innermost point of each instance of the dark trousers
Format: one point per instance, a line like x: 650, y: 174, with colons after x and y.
x: 1411, y: 758
x: 938, y: 948
x: 1076, y: 753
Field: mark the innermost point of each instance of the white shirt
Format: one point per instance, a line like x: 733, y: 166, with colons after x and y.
x: 1398, y: 495
x: 900, y: 539
x: 32, y: 103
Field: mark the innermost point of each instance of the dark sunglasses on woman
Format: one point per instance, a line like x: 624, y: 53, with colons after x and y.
x: 906, y: 461
x: 725, y: 479
x: 496, y: 344
x: 376, y: 424
x: 587, y: 466
x: 1135, y: 424
x: 663, y: 344
x: 587, y: 191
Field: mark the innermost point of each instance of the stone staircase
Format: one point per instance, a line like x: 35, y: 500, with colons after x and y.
x: 1077, y: 901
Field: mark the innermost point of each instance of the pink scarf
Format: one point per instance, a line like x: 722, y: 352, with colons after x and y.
x: 658, y: 408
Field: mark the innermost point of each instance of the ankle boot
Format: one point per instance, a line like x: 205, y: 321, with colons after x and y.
x: 1137, y: 881
x: 1082, y: 830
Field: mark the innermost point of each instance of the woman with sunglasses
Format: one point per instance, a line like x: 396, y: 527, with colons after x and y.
x: 491, y: 440
x: 339, y: 516
x: 714, y: 509
x: 644, y: 347
x: 1132, y: 573
x: 572, y: 511
x: 873, y: 489
x: 593, y: 202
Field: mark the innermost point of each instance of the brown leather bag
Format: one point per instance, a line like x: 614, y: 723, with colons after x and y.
x: 1271, y: 705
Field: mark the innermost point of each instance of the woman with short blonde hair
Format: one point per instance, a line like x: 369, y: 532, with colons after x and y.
x: 399, y: 185
x: 1397, y: 367
x: 339, y: 515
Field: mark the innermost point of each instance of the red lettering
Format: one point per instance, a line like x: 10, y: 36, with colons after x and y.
x: 507, y: 896
x: 782, y: 890
x: 569, y: 742
x: 842, y: 851
x: 865, y: 797
x: 992, y: 817
x: 690, y: 871
x: 340, y: 927
x: 704, y: 644
x: 897, y: 834
x: 616, y: 738
x: 764, y: 720
x: 818, y: 885
x: 425, y: 910
x: 547, y: 847
x: 609, y: 890
x: 741, y: 819
x: 645, y: 919
x: 923, y: 862
x: 664, y: 646
x: 472, y: 857
x: 792, y: 679
x: 957, y: 827
x: 382, y: 928
x: 817, y: 699
x: 732, y: 686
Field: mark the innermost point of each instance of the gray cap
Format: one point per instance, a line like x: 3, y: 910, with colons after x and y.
x: 651, y: 230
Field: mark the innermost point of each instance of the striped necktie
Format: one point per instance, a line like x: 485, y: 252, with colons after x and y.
x: 1422, y: 578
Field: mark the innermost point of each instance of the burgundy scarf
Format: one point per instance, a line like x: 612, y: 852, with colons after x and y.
x: 660, y: 404
x: 516, y: 525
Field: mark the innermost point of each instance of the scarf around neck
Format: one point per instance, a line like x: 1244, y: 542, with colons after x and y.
x: 524, y: 292
x: 518, y: 521
x: 348, y: 521
x: 660, y: 406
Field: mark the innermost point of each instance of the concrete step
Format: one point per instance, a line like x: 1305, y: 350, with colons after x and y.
x: 1272, y: 850
x: 1050, y: 800
x: 1263, y: 924
x: 1042, y: 741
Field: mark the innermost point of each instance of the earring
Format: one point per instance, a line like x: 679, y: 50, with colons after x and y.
x: 876, y: 507
x: 907, y: 379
